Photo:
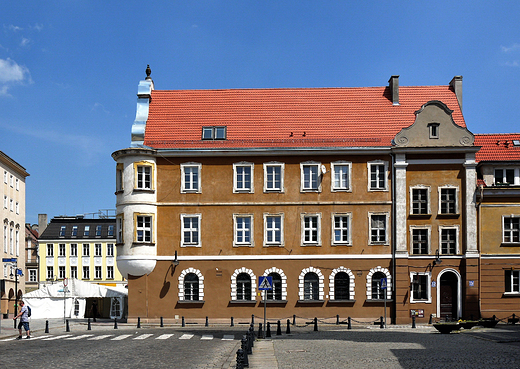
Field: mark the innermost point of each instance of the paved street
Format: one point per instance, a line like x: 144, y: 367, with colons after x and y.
x: 215, y: 347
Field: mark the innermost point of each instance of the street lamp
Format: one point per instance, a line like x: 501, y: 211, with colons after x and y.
x: 16, y: 272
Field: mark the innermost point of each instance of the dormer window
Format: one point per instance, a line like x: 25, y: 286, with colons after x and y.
x: 505, y: 176
x: 434, y: 130
x: 214, y: 133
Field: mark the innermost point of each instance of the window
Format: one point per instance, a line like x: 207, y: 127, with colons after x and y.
x: 97, y: 272
x: 61, y: 272
x: 50, y: 273
x: 32, y: 275
x: 62, y: 231
x: 97, y: 249
x: 243, y: 177
x: 511, y: 229
x: 86, y: 232
x: 5, y: 177
x: 119, y: 177
x: 340, y: 176
x: 11, y: 244
x: 17, y: 208
x: 143, y: 228
x: 98, y: 231
x: 11, y: 205
x: 434, y: 130
x: 17, y: 185
x: 273, y: 229
x: 50, y: 249
x: 110, y: 272
x: 420, y: 287
x: 311, y: 232
x: 378, y: 229
x: 310, y: 178
x: 190, y: 178
x: 420, y: 241
x: 73, y: 249
x: 74, y: 272
x: 6, y: 273
x: 6, y: 242
x: 86, y: 249
x: 115, y: 308
x: 110, y: 249
x: 342, y: 284
x: 420, y: 200
x: 74, y: 231
x: 190, y: 230
x: 273, y: 177
x: 61, y: 249
x: 243, y: 230
x: 6, y: 202
x: 214, y: 133
x: 11, y: 180
x: 110, y: 231
x: 512, y: 279
x: 76, y: 307
x: 448, y: 200
x: 311, y: 287
x: 377, y: 176
x: 191, y: 287
x: 449, y: 237
x: 243, y: 286
x: 86, y: 272
x: 143, y: 177
x: 377, y: 291
x: 374, y: 290
x: 276, y: 292
x: 505, y: 176
x: 340, y: 229
x: 119, y: 225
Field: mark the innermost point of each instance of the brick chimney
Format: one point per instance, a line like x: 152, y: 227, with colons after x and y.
x: 42, y: 223
x: 456, y: 86
x: 393, y: 83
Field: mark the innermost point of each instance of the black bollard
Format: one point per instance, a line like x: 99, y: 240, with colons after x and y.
x: 294, y: 320
x: 253, y: 319
x: 232, y: 322
x: 67, y: 328
x: 381, y: 322
x: 337, y: 319
x: 413, y: 321
x: 268, y: 332
x: 245, y: 359
x: 46, y: 326
x: 115, y: 323
x: 315, y: 324
x: 162, y: 323
x: 240, y: 359
x: 494, y: 317
x: 278, y: 329
x: 288, y: 330
x: 250, y: 340
x: 260, y: 331
x: 207, y: 322
x: 431, y: 319
x: 349, y: 326
x: 138, y: 322
x: 183, y: 322
x: 89, y: 328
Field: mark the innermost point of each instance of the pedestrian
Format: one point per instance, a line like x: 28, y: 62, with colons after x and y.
x: 24, y: 321
x: 94, y: 309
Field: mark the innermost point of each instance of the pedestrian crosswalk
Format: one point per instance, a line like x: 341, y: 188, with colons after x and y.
x: 121, y: 337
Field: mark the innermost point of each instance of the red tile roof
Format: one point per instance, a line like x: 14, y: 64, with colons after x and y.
x: 498, y: 147
x: 288, y: 118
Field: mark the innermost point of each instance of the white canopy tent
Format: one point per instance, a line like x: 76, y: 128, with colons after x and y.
x: 51, y: 301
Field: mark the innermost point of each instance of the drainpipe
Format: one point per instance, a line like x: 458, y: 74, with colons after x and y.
x: 394, y: 313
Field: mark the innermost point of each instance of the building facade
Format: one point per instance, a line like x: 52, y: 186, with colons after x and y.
x: 12, y: 213
x: 80, y: 248
x: 32, y: 259
x: 327, y: 191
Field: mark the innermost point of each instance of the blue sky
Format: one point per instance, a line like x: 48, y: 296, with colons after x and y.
x: 69, y: 69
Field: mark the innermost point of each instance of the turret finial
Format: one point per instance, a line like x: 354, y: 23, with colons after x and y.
x: 148, y: 72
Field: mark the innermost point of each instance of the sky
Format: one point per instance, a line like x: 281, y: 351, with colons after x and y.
x: 69, y: 69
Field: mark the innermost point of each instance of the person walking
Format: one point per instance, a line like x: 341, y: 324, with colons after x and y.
x: 24, y: 321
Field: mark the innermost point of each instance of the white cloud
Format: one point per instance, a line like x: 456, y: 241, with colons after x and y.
x: 12, y: 73
x: 99, y: 107
x: 12, y: 27
x: 512, y: 64
x: 508, y: 49
x: 38, y: 27
x: 24, y: 42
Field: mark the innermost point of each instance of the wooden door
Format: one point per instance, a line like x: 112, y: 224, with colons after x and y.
x: 448, y: 296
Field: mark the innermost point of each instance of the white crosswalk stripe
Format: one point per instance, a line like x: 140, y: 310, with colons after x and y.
x: 121, y: 337
x: 39, y: 337
x: 164, y: 336
x: 143, y: 336
x: 57, y: 337
x: 228, y: 337
x: 100, y: 337
x: 207, y: 337
x: 79, y: 337
x: 186, y: 336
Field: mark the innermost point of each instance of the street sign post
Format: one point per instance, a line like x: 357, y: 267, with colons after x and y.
x: 384, y: 287
x: 265, y: 283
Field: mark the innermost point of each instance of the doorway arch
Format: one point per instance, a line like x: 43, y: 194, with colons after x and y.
x: 449, y: 296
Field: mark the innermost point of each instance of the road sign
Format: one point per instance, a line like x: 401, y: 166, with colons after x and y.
x: 265, y: 283
x: 9, y: 260
x: 383, y: 283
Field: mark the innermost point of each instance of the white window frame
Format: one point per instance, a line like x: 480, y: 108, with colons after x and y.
x: 120, y: 220
x: 87, y: 274
x: 98, y: 272
x: 17, y: 184
x: 312, y: 242
x: 50, y: 273
x: 62, y: 273
x: 50, y: 247
x: 63, y: 229
x: 110, y: 249
x: 237, y: 230
x: 142, y: 171
x: 428, y: 276
x: 387, y: 218
x: 449, y: 187
x: 183, y: 275
x: 516, y: 180
x: 446, y: 227
x: 386, y: 272
x: 236, y: 168
x: 196, y: 243
x: 234, y: 284
x: 370, y: 164
x: 310, y: 164
x: 428, y: 238
x: 74, y: 271
x: 110, y: 272
x: 512, y: 231
x: 73, y: 249
x: 349, y: 229
x: 321, y: 283
x: 512, y: 276
x: 6, y: 202
x: 351, y: 283
x: 148, y: 232
x: 267, y: 230
x: 267, y: 188
x: 62, y: 250
x: 119, y: 177
x: 191, y: 189
x: 85, y: 247
x: 98, y: 249
x: 428, y: 199
x: 5, y: 176
x: 33, y: 275
x: 340, y: 188
x: 17, y: 208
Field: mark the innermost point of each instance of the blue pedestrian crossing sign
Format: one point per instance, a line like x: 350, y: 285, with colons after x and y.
x: 383, y: 283
x: 265, y: 283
